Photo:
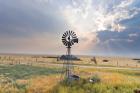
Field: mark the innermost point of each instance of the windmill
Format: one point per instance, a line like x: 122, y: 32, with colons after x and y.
x: 68, y: 39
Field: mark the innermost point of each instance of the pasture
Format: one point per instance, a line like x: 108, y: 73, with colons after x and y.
x: 27, y: 74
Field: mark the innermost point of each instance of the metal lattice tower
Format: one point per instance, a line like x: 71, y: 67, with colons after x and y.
x: 68, y: 39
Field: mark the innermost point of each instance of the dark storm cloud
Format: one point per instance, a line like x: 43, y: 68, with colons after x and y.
x: 25, y: 17
x: 133, y: 22
x: 125, y: 43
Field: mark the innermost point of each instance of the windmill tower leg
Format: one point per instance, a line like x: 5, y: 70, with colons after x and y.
x: 68, y: 72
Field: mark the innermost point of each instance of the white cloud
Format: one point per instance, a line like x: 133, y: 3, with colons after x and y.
x: 133, y: 35
x: 87, y: 16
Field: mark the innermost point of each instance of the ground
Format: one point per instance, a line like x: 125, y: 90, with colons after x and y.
x: 44, y: 77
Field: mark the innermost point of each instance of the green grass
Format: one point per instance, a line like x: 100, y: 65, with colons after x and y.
x: 15, y: 72
x: 25, y: 71
x: 127, y: 72
x: 124, y: 72
x: 83, y: 86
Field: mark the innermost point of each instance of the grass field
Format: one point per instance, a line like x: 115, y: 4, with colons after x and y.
x: 38, y: 79
x: 41, y: 74
x: 23, y: 78
x: 84, y: 60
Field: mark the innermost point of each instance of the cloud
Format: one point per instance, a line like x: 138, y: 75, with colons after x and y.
x: 92, y: 15
x: 133, y: 35
x: 119, y: 43
x: 87, y: 16
x: 30, y: 26
x: 26, y: 17
x: 37, y: 25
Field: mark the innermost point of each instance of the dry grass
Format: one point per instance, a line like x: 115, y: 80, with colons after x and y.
x: 85, y: 60
x: 110, y: 76
x: 39, y: 84
x: 42, y: 84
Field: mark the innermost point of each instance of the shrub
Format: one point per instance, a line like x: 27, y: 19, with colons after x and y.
x: 95, y: 79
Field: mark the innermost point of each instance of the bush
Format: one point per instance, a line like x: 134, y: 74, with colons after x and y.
x: 95, y: 79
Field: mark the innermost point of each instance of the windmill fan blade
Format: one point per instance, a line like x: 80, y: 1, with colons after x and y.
x: 64, y: 42
x: 66, y: 33
x: 69, y: 44
x: 72, y: 42
x: 63, y: 36
x: 71, y: 33
x: 63, y: 39
x: 73, y: 36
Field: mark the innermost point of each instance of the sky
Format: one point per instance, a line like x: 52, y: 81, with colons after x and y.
x: 104, y: 27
